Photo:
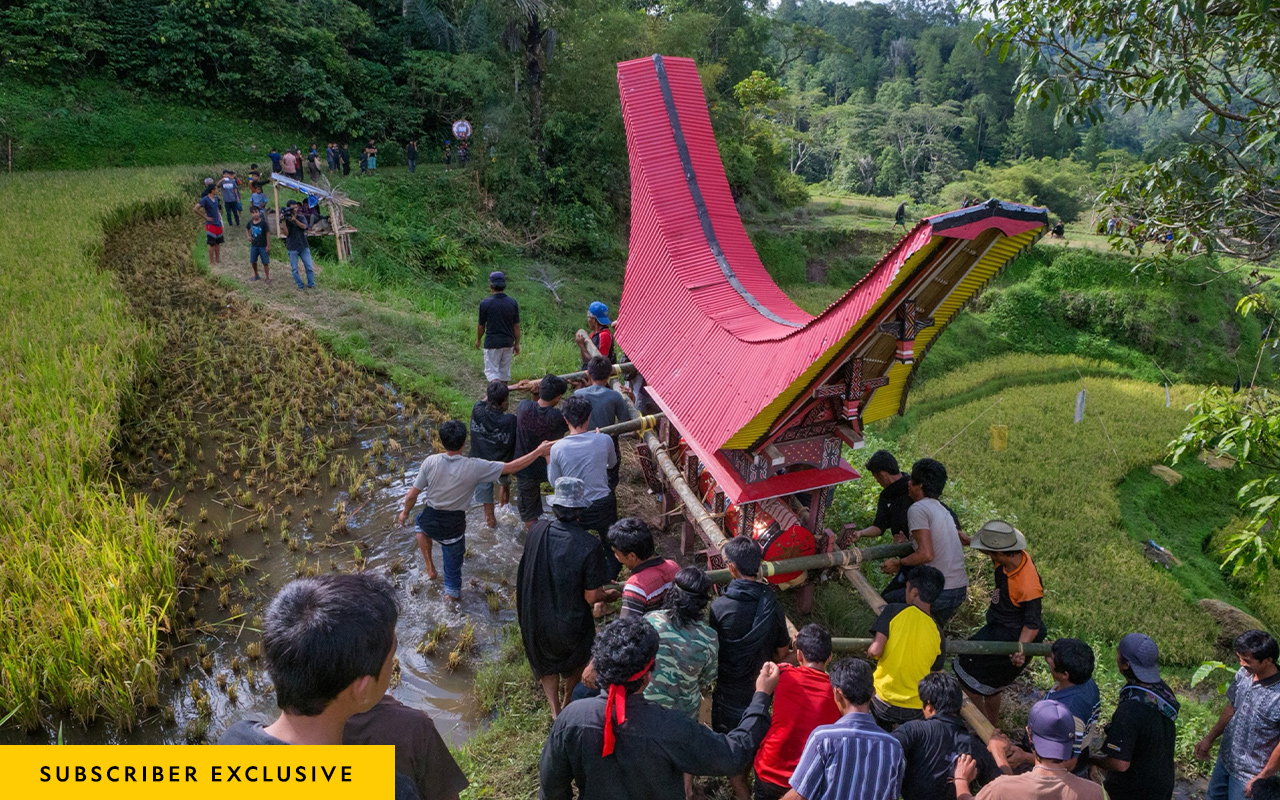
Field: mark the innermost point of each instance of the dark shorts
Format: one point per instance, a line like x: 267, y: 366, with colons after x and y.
x: 763, y: 790
x: 528, y: 498
x: 989, y: 675
x: 890, y: 717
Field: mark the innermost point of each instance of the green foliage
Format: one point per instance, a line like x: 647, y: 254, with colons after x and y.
x: 1065, y: 186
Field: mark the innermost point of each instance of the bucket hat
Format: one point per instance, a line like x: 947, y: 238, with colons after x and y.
x: 998, y: 536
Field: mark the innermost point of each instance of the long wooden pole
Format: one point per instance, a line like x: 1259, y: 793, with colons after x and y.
x: 618, y: 369
x: 693, y: 505
x: 840, y: 558
x: 637, y: 425
x: 955, y: 647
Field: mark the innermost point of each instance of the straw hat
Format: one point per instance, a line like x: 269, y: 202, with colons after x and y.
x: 998, y: 536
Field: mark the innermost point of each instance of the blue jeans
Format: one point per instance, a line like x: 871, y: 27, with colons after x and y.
x: 413, y: 164
x: 1223, y: 785
x: 256, y: 253
x: 453, y: 554
x: 305, y: 255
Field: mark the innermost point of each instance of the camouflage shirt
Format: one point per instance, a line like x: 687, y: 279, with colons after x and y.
x: 686, y: 663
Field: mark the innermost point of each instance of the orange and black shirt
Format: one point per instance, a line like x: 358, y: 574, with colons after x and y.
x: 1016, y: 602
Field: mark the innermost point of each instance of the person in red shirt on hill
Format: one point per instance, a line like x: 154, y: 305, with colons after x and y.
x: 802, y: 702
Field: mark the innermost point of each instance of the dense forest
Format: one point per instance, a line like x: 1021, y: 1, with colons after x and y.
x: 894, y: 99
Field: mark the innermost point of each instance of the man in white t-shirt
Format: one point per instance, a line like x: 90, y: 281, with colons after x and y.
x: 449, y: 479
x: 588, y: 456
x: 935, y: 538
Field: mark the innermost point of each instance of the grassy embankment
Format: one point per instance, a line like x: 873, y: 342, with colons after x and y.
x: 87, y: 573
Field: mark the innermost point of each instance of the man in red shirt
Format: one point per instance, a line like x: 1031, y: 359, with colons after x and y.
x: 802, y: 702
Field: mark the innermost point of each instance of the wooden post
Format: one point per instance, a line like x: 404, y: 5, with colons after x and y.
x: 275, y: 194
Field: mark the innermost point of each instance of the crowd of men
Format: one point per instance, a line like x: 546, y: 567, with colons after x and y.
x: 786, y: 718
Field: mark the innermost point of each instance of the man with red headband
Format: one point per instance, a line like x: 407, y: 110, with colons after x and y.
x: 620, y: 746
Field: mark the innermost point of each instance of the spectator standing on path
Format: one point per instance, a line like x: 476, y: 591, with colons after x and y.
x: 411, y: 155
x: 313, y: 165
x: 1014, y: 615
x: 230, y: 196
x: 608, y: 407
x: 259, y: 242
x: 1138, y: 753
x: 851, y: 759
x: 207, y: 207
x: 331, y: 156
x: 493, y: 437
x: 371, y: 157
x: 900, y: 216
x: 449, y: 480
x: 622, y: 746
x: 329, y: 644
x: 537, y: 421
x: 802, y: 702
x: 598, y: 331
x: 649, y: 576
x: 891, y: 505
x: 561, y: 576
x: 1052, y: 732
x: 752, y: 629
x: 931, y: 745
x: 295, y: 242
x: 1249, y: 757
x: 588, y: 456
x: 907, y: 647
x: 291, y: 164
x: 421, y: 755
x: 498, y: 330
x: 344, y: 155
x: 274, y: 155
x: 935, y: 537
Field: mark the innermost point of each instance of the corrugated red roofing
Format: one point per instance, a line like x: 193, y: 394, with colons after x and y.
x: 700, y: 317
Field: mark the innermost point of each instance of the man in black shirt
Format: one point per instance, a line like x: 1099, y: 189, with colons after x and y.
x: 891, y: 508
x: 620, y: 746
x: 493, y: 438
x: 752, y: 629
x: 1138, y: 752
x: 537, y: 422
x: 499, y: 329
x: 561, y: 576
x: 295, y: 242
x: 932, y: 745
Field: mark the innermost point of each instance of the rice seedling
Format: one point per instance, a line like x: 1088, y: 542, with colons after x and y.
x: 221, y: 680
x: 253, y: 651
x: 456, y: 659
x: 197, y: 731
x: 206, y: 663
x: 167, y: 716
x: 495, y: 603
x: 467, y: 639
x: 233, y: 694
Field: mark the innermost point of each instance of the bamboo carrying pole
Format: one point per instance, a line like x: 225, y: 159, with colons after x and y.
x: 637, y: 425
x: 840, y: 558
x: 692, y: 503
x: 581, y: 375
x: 954, y: 647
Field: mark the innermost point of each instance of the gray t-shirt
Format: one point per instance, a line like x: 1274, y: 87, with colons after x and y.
x: 948, y: 552
x: 248, y: 731
x: 230, y: 192
x: 1254, y: 729
x: 607, y: 405
x: 450, y: 480
x: 587, y: 456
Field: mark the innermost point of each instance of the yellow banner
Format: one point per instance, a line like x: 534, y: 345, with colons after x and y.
x: 165, y: 772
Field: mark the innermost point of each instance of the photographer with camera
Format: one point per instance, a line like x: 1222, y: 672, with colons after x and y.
x: 295, y: 242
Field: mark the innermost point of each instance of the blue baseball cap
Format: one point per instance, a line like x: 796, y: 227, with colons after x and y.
x: 600, y: 311
x: 497, y: 280
x: 1052, y: 729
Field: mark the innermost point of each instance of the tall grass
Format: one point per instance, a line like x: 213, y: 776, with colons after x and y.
x: 87, y: 573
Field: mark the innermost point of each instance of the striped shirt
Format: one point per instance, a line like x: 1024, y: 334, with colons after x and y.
x: 852, y: 759
x: 646, y: 587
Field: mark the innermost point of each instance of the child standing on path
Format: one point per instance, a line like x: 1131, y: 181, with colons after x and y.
x: 256, y: 230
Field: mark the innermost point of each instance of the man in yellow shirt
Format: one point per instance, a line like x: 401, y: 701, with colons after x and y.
x: 908, y: 646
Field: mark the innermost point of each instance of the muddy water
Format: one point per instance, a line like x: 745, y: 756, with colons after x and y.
x: 211, y: 677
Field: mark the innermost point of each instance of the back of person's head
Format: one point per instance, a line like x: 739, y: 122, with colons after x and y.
x: 567, y: 514
x: 852, y: 676
x: 551, y: 387
x: 631, y: 535
x: 623, y: 652
x: 599, y: 368
x: 942, y: 691
x: 321, y: 634
x: 814, y: 643
x: 883, y: 461
x: 928, y: 582
x: 209, y: 188
x: 744, y: 553
x: 688, y: 596
x: 576, y: 410
x: 453, y: 435
x: 1073, y: 658
x: 930, y: 476
x: 496, y: 394
x: 1258, y: 645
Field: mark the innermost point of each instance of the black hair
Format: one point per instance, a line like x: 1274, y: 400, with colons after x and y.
x: 814, y: 643
x: 852, y: 676
x: 321, y: 634
x: 209, y: 188
x: 1073, y: 657
x: 631, y: 535
x: 576, y: 410
x: 497, y: 393
x: 928, y: 582
x: 745, y: 554
x: 942, y: 691
x: 599, y: 368
x: 551, y: 387
x: 253, y: 166
x: 688, y: 596
x: 453, y: 435
x: 254, y: 210
x: 930, y: 476
x: 883, y: 461
x: 1257, y: 644
x: 623, y: 648
x: 567, y: 514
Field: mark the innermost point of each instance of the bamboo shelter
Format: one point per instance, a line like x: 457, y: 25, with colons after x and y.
x: 335, y: 200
